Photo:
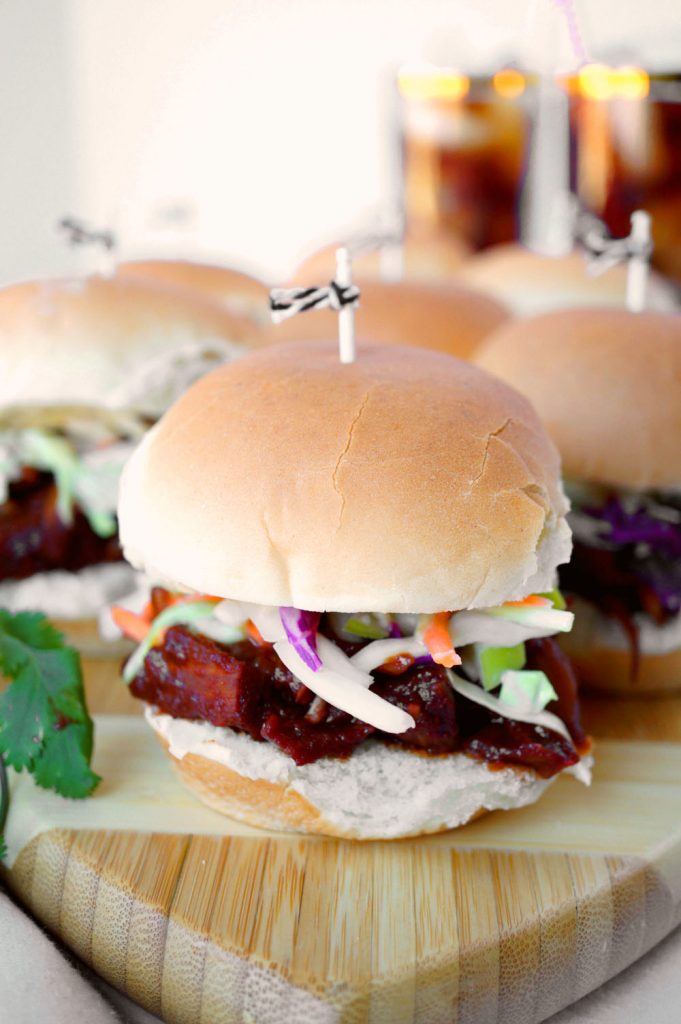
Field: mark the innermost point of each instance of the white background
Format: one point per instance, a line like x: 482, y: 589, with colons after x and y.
x: 265, y: 122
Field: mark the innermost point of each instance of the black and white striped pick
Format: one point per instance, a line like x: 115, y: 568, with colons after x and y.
x: 340, y: 294
x: 78, y: 233
x: 602, y: 251
x: 286, y: 302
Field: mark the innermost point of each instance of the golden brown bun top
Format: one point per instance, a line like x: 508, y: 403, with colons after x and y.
x: 80, y: 340
x: 530, y: 284
x: 405, y: 481
x: 606, y: 383
x: 445, y: 318
x: 238, y: 292
x: 429, y: 258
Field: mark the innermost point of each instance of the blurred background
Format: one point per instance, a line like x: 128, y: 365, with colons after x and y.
x: 251, y: 131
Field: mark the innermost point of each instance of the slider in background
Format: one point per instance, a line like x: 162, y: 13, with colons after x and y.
x: 529, y: 283
x: 431, y: 256
x: 427, y: 314
x: 239, y: 293
x: 86, y: 366
x: 607, y: 385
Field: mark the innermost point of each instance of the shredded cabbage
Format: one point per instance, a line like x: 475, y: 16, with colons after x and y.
x: 552, y: 619
x: 366, y: 626
x: 499, y: 706
x: 556, y: 598
x: 54, y: 455
x: 471, y: 627
x: 494, y: 636
x: 525, y: 691
x: 642, y: 530
x: 96, y: 484
x: 266, y: 618
x: 340, y: 687
x: 301, y: 633
x: 494, y: 661
x: 88, y: 479
x: 218, y: 631
x: 377, y: 653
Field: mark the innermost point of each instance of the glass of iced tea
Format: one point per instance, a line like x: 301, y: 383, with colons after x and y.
x: 627, y: 128
x: 463, y: 151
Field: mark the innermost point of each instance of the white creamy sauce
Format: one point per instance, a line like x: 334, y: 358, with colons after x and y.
x: 155, y: 384
x: 69, y: 595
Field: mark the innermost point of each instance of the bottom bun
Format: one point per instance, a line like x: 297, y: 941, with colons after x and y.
x: 601, y: 654
x: 379, y: 792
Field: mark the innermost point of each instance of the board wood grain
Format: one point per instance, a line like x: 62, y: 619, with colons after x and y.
x: 201, y: 919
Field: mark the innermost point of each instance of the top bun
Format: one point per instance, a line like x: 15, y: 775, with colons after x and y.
x: 406, y: 481
x: 606, y: 383
x: 237, y: 292
x: 445, y: 318
x: 434, y: 257
x: 529, y: 283
x: 81, y: 340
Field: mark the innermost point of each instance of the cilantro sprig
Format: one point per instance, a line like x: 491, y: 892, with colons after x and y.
x: 45, y: 728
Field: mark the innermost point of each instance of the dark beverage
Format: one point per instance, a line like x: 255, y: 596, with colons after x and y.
x: 627, y: 127
x: 463, y: 144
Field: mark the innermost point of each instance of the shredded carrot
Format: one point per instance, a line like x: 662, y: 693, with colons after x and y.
x: 191, y: 599
x: 254, y: 633
x: 134, y: 626
x: 533, y: 601
x: 438, y: 641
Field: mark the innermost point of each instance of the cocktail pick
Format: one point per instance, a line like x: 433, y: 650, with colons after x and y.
x: 383, y: 233
x: 553, y: 44
x: 79, y: 234
x: 340, y: 294
x: 603, y: 251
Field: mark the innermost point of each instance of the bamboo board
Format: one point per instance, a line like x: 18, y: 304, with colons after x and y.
x: 201, y: 919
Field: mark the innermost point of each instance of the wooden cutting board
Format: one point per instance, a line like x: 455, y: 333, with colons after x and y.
x: 201, y: 919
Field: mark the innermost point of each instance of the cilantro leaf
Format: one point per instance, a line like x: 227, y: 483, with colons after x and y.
x: 64, y: 761
x: 44, y: 724
x: 32, y: 628
x: 24, y: 714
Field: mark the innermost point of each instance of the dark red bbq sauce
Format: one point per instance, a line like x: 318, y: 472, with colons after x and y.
x: 505, y: 742
x: 246, y: 687
x: 34, y: 539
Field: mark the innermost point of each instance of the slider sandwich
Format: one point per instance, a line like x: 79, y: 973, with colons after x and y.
x: 352, y: 630
x: 528, y: 283
x: 428, y: 256
x: 86, y: 366
x: 607, y: 385
x: 237, y: 292
x: 429, y: 314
